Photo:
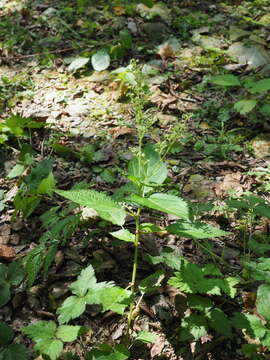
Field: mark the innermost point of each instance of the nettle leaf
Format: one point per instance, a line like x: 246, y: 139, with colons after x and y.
x: 260, y: 86
x: 149, y: 228
x: 123, y: 235
x: 169, y: 204
x: 85, y: 281
x: 106, y: 208
x: 47, y: 185
x: 263, y: 301
x: 193, y: 327
x: 6, y: 334
x: 146, y: 337
x: 245, y: 106
x: 225, y: 80
x: 228, y: 285
x: 71, y: 308
x: 68, y: 333
x: 195, y: 230
x: 100, y: 60
x: 219, y: 321
x: 14, y: 351
x: 263, y: 210
x: 78, y: 63
x: 259, y: 269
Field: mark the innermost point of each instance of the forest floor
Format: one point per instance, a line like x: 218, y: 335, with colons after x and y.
x: 217, y: 152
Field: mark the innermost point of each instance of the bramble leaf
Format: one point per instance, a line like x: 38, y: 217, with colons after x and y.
x: 123, y: 235
x: 225, y: 80
x: 68, y: 333
x: 245, y: 106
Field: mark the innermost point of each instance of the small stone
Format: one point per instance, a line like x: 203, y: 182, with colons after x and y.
x: 261, y: 146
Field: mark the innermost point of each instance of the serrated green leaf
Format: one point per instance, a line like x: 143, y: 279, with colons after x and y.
x: 71, y: 308
x: 123, y: 235
x: 168, y: 257
x: 225, y: 80
x: 14, y: 352
x: 151, y: 282
x: 169, y: 204
x: 195, y: 229
x: 193, y: 327
x: 219, y: 321
x: 257, y: 247
x: 121, y: 352
x: 263, y: 301
x: 40, y: 331
x: 245, y: 106
x: 262, y: 210
x: 51, y: 348
x: 6, y: 334
x: 78, y: 63
x: 15, y: 273
x: 260, y: 86
x: 198, y: 302
x: 228, y: 285
x: 112, y: 298
x: 85, y: 281
x: 250, y: 323
x: 68, y: 333
x: 16, y: 171
x: 106, y: 208
x: 259, y: 269
x: 265, y: 110
x: 146, y: 337
x: 100, y: 60
x: 149, y: 228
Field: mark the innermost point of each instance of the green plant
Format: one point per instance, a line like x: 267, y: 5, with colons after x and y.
x: 9, y: 350
x: 256, y: 93
x: 10, y: 276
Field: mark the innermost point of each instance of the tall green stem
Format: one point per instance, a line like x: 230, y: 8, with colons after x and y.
x: 135, y: 264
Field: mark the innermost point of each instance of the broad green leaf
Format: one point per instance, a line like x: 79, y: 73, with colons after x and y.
x: 257, y: 247
x: 68, y: 333
x: 146, y: 337
x: 195, y: 229
x: 15, y: 273
x: 219, y: 321
x: 106, y: 208
x: 78, y: 63
x: 71, y: 308
x: 259, y: 269
x: 149, y: 169
x: 148, y: 3
x: 85, y: 281
x: 100, y: 60
x: 263, y: 301
x: 16, y: 171
x: 4, y: 293
x: 121, y: 352
x: 51, y: 348
x: 125, y: 38
x: 151, y: 282
x: 225, y: 80
x: 228, y: 285
x: 47, y: 185
x: 6, y: 334
x: 265, y: 110
x: 260, y: 86
x: 193, y: 327
x: 250, y: 323
x: 40, y: 331
x: 149, y: 228
x: 123, y: 235
x: 245, y: 106
x: 263, y: 210
x: 112, y: 298
x: 169, y: 204
x: 14, y: 352
x: 168, y: 257
x: 198, y: 302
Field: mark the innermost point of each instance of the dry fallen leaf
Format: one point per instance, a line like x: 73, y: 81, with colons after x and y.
x: 7, y: 253
x: 158, y: 346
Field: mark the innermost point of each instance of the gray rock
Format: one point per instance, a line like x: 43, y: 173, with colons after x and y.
x: 254, y: 55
